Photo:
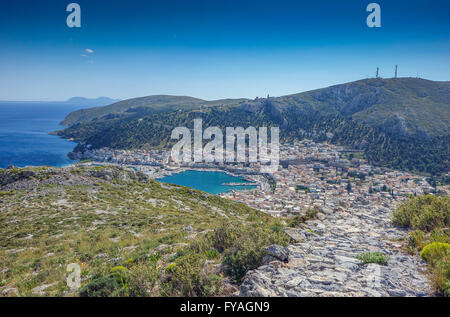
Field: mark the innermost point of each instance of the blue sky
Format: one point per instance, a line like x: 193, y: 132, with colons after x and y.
x: 214, y: 49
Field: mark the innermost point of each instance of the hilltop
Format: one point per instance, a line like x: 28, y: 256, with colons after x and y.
x: 407, y: 106
x: 138, y: 107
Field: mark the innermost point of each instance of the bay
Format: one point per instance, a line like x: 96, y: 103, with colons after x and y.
x: 208, y: 181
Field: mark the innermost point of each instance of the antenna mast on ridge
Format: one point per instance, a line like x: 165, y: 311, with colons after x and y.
x: 378, y: 70
x: 396, y: 67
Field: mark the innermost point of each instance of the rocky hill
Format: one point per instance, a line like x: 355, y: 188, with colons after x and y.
x: 402, y: 123
x: 130, y: 236
x: 138, y: 107
x: 323, y: 260
x: 404, y: 106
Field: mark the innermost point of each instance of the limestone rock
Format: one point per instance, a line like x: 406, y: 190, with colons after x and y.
x: 277, y: 252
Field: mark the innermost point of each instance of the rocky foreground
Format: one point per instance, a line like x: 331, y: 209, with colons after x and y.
x: 109, y: 217
x: 129, y: 235
x: 322, y: 262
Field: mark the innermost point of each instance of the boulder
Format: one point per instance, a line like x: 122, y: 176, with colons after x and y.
x: 278, y: 252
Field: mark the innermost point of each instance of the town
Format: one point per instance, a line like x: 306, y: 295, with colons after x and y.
x: 310, y: 175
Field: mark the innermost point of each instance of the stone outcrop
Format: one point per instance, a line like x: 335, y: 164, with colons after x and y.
x: 12, y: 174
x: 322, y: 261
x: 30, y: 177
x: 275, y: 252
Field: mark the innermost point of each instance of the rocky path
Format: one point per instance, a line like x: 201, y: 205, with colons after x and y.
x: 322, y: 262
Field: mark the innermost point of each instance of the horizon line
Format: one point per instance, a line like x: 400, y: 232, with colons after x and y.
x: 183, y: 95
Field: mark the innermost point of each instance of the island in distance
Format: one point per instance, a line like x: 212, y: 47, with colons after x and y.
x: 80, y: 102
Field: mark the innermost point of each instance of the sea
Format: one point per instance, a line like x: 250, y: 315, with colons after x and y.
x: 208, y: 181
x: 24, y: 138
x: 25, y: 141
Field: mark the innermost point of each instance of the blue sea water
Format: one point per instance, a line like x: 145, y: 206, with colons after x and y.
x: 210, y: 182
x: 24, y: 141
x: 24, y: 138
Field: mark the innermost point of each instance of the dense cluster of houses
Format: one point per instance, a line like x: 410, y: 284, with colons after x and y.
x: 310, y: 174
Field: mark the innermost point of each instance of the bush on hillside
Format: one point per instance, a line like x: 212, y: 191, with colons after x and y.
x: 100, y: 287
x: 373, y: 257
x: 434, y: 252
x: 241, y: 246
x: 310, y: 214
x: 424, y: 213
x: 429, y: 216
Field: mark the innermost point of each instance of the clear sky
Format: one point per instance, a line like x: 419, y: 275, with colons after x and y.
x: 214, y: 49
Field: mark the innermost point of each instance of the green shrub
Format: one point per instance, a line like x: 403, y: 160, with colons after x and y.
x: 185, y: 277
x: 243, y: 246
x: 373, y: 257
x: 423, y: 212
x: 213, y: 285
x: 439, y: 235
x: 436, y: 251
x: 120, y: 274
x: 428, y: 215
x: 130, y: 261
x: 212, y: 254
x: 440, y: 275
x: 277, y: 226
x: 141, y: 280
x: 296, y: 221
x: 170, y: 268
x: 100, y: 287
x: 417, y: 239
x: 446, y: 288
x: 437, y: 255
x: 310, y: 214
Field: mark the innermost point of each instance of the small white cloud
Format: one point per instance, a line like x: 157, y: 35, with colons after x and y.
x: 88, y: 50
x: 84, y: 55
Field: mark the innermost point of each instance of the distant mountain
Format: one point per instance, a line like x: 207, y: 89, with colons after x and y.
x: 76, y: 101
x: 142, y: 106
x: 402, y: 123
x: 92, y: 102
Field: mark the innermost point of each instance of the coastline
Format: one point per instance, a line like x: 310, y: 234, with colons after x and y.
x: 165, y: 172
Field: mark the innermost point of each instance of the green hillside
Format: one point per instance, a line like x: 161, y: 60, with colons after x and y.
x: 130, y: 235
x: 401, y: 123
x: 138, y: 107
x: 408, y: 106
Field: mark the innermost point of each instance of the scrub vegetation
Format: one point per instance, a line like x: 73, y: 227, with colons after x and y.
x: 428, y: 217
x: 131, y: 236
